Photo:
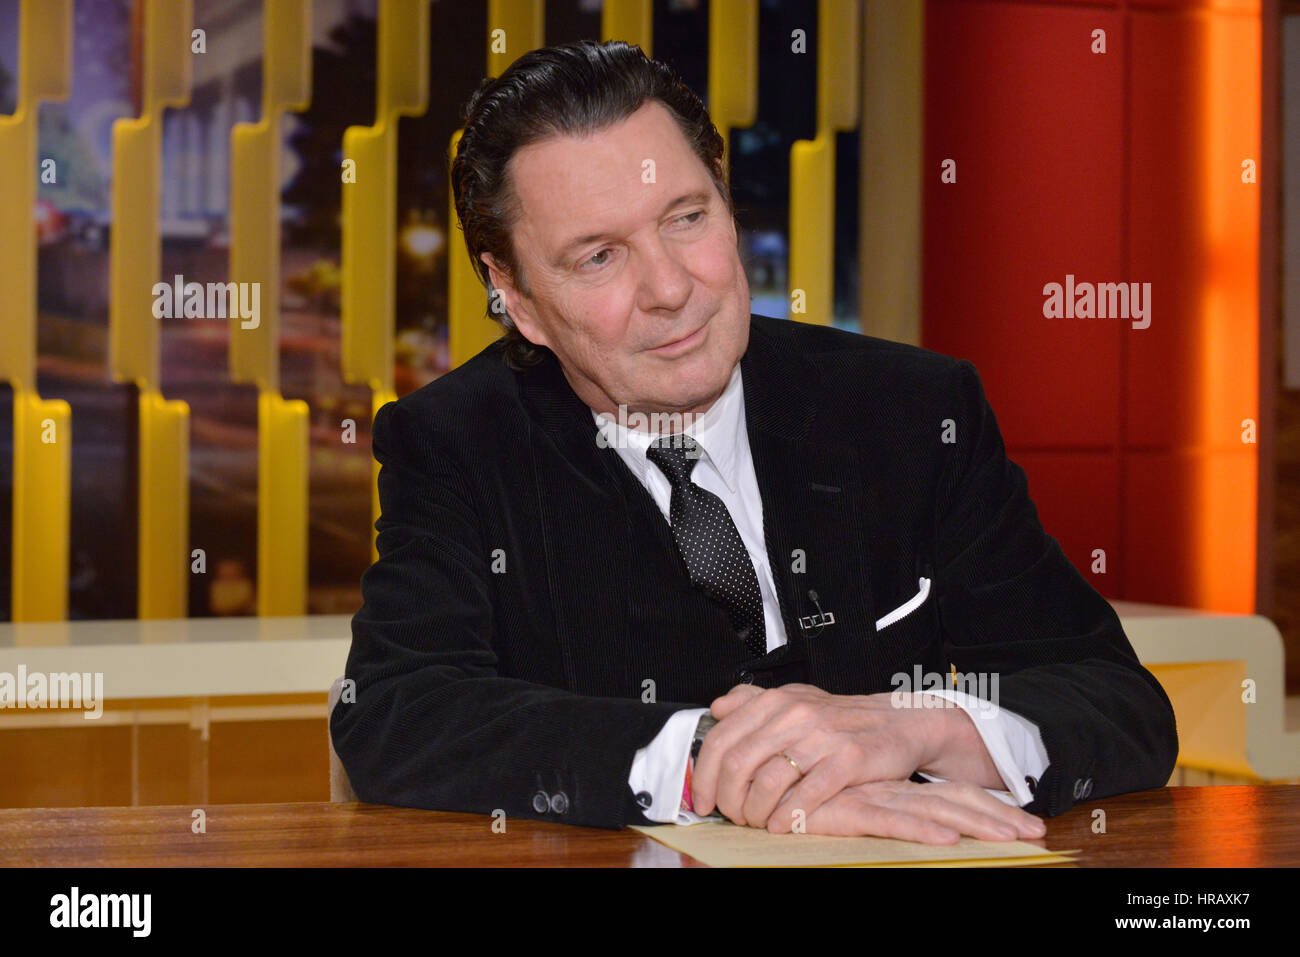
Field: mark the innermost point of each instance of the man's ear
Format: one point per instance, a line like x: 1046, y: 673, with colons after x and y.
x: 514, y: 303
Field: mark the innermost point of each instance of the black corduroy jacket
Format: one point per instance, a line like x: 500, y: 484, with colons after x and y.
x: 503, y: 652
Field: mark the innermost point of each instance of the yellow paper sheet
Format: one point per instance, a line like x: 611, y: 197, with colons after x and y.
x: 723, y: 844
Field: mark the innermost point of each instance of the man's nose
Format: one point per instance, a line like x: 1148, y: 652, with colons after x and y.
x: 665, y: 282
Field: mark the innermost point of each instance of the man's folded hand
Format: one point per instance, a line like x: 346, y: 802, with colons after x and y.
x: 797, y: 746
x: 936, y: 813
x: 797, y: 756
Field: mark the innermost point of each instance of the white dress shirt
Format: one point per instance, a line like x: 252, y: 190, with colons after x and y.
x: 726, y: 469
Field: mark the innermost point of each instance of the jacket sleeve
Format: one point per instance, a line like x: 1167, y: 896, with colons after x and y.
x: 1014, y: 609
x: 433, y: 723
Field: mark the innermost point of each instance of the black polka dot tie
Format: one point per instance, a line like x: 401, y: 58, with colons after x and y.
x: 709, y: 542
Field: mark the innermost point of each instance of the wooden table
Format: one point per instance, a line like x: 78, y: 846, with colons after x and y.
x: 1230, y: 826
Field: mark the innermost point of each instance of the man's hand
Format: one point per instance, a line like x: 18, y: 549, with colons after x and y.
x: 747, y: 765
x: 936, y: 813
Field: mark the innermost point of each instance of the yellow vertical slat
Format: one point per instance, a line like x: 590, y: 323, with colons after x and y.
x: 283, y: 446
x: 514, y: 28
x: 255, y: 189
x: 369, y: 214
x: 44, y: 73
x: 812, y: 164
x: 733, y: 68
x: 631, y: 21
x: 283, y: 454
x: 135, y: 263
x: 164, y: 505
x: 42, y: 456
x: 378, y: 398
x: 890, y: 190
x: 42, y: 490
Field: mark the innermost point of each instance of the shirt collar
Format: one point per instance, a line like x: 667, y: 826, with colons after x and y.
x: 719, y: 431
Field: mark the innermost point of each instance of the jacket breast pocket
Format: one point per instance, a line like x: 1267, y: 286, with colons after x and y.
x: 907, y: 643
x: 908, y: 607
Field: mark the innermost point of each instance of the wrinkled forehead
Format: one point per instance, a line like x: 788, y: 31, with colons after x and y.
x: 566, y: 185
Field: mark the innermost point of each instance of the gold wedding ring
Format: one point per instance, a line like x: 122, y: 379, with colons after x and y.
x: 792, y: 764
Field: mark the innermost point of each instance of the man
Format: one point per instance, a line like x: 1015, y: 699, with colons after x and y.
x: 644, y: 507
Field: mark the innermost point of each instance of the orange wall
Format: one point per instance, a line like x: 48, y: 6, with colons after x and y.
x: 1117, y: 167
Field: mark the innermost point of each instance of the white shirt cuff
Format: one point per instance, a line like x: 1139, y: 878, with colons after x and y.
x: 1013, y: 742
x: 659, y: 769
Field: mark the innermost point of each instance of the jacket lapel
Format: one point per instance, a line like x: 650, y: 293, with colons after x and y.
x: 813, y: 508
x: 585, y: 529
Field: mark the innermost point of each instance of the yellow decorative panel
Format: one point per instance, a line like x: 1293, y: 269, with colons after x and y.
x: 733, y: 68
x: 135, y: 262
x: 283, y: 443
x: 631, y: 21
x: 369, y: 201
x: 42, y: 453
x: 812, y: 165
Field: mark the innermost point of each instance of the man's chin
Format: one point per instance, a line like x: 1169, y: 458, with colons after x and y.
x: 691, y: 393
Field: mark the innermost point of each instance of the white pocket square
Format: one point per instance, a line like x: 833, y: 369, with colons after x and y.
x: 907, y: 607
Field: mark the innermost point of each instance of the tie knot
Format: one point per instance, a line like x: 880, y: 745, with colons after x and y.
x: 676, y: 456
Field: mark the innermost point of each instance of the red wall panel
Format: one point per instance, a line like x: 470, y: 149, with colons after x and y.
x: 1115, y: 167
x: 1039, y: 171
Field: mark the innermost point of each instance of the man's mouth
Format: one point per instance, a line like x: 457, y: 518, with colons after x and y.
x: 682, y: 344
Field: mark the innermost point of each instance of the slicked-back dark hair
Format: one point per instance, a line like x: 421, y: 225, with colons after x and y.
x: 572, y: 89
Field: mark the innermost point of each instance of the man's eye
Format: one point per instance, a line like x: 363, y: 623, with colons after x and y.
x: 690, y: 219
x: 592, y: 260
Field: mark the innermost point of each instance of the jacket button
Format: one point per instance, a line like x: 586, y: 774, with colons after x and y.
x: 559, y: 802
x: 1032, y: 782
x: 644, y: 799
x: 747, y: 677
x: 541, y: 802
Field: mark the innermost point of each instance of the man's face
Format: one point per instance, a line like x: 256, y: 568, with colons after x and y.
x: 628, y: 248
